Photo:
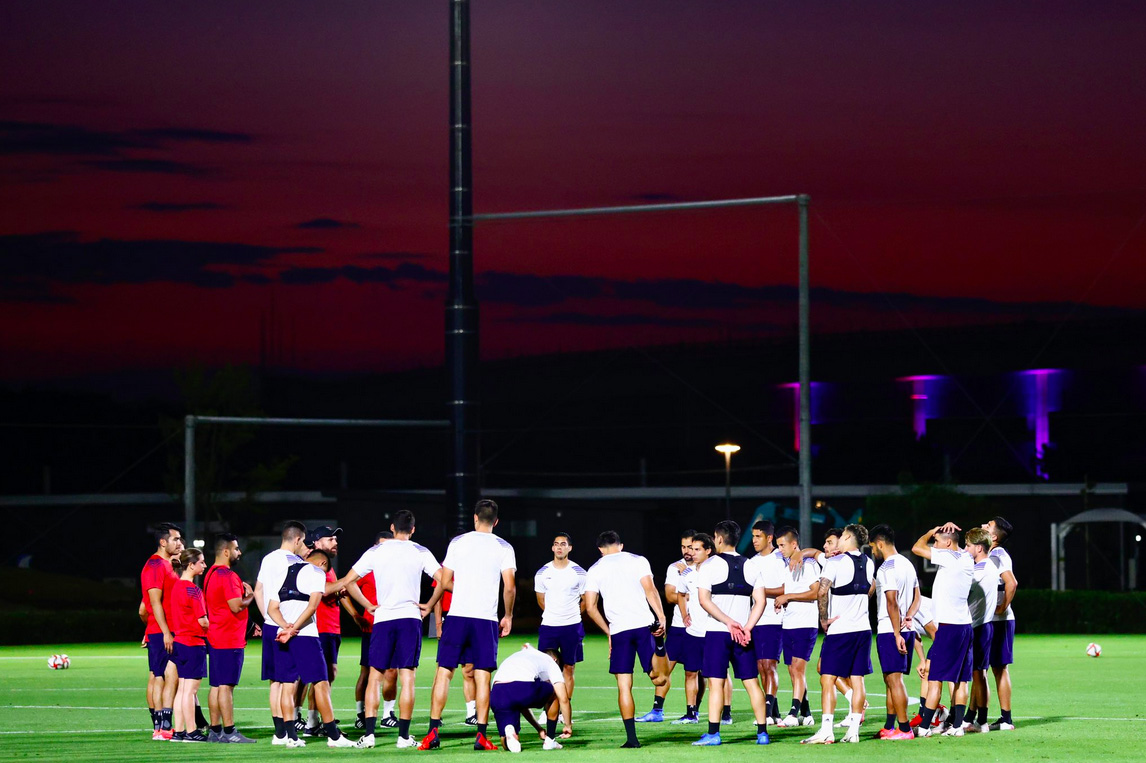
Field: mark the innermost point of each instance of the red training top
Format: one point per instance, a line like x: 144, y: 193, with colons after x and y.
x: 157, y: 573
x: 370, y: 591
x: 447, y: 597
x: 327, y: 614
x: 186, y: 609
x: 226, y: 630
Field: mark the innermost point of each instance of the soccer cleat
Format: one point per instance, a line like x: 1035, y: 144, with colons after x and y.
x: 299, y: 723
x: 512, y: 743
x: 852, y: 736
x: 388, y: 723
x: 726, y: 720
x: 365, y: 742
x: 883, y: 733
x: 807, y: 720
x: 293, y: 744
x: 954, y: 731
x: 471, y: 720
x: 686, y: 719
x: 235, y: 738
x: 406, y: 743
x: 977, y: 728
x: 652, y: 716
x: 633, y: 745
x: 788, y: 722
x: 999, y: 725
x: 195, y: 736
x: 360, y: 721
x: 940, y: 716
x: 550, y: 744
x: 896, y: 734
x: 342, y: 741
x: 773, y: 720
x: 708, y: 740
x: 481, y: 742
x: 280, y: 741
x: 430, y: 741
x: 762, y: 737
x: 921, y: 732
x: 314, y: 731
x: 823, y: 736
x: 914, y: 722
x: 214, y: 737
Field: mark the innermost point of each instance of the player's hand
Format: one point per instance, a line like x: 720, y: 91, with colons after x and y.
x: 687, y: 622
x: 566, y: 732
x: 257, y: 632
x: 680, y: 566
x: 660, y: 629
x: 923, y: 669
x: 781, y: 601
x: 900, y: 644
x: 795, y: 562
x: 506, y: 625
x: 143, y: 643
x: 825, y: 624
x: 438, y: 625
x: 247, y: 590
x: 949, y: 527
x: 908, y: 623
x: 169, y: 641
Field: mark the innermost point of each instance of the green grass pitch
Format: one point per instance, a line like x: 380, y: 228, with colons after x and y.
x: 1066, y: 704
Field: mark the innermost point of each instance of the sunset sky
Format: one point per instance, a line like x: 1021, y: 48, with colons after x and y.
x: 175, y: 177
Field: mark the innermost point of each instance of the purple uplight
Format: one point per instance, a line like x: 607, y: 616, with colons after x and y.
x: 813, y: 406
x: 924, y: 401
x: 1041, y: 398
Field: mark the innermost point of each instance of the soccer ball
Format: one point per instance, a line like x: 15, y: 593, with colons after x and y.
x: 1093, y: 649
x: 59, y: 662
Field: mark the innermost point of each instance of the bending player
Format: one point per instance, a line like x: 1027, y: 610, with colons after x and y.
x: 528, y: 679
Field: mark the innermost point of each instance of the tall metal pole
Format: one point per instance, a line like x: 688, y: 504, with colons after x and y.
x: 189, y: 479
x: 728, y: 484
x: 805, y: 380
x: 461, y: 303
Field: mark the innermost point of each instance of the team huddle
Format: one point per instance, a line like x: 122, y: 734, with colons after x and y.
x: 733, y: 618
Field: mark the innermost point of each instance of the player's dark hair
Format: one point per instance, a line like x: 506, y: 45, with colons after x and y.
x: 729, y: 531
x: 833, y: 532
x: 705, y: 540
x: 382, y: 535
x: 787, y: 530
x: 556, y: 655
x: 403, y: 521
x: 486, y: 511
x: 568, y: 538
x: 222, y: 540
x: 765, y: 526
x: 608, y: 538
x: 689, y: 533
x: 293, y: 530
x: 860, y: 534
x: 1003, y: 530
x: 318, y: 552
x: 882, y: 532
x: 163, y: 530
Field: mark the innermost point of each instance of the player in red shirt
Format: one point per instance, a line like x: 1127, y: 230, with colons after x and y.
x: 228, y: 598
x: 156, y: 581
x: 368, y: 594
x: 188, y: 615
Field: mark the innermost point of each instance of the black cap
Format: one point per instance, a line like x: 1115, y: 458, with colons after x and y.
x: 320, y: 532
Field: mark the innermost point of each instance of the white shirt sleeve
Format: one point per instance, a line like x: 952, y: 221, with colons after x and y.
x: 942, y: 557
x: 365, y: 564
x: 591, y: 583
x: 430, y: 563
x: 704, y: 577
x: 451, y: 559
x: 509, y: 560
x: 539, y: 582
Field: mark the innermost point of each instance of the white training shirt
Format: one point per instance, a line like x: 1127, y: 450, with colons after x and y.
x: 801, y: 614
x: 311, y: 579
x: 925, y: 615
x: 562, y: 589
x: 696, y: 614
x: 397, y: 566
x: 272, y: 572
x: 898, y: 574
x: 984, y: 593
x: 952, y: 586
x: 477, y: 559
x: 769, y: 571
x: 528, y: 665
x: 1002, y: 561
x: 714, y: 572
x: 851, y: 609
x: 674, y: 577
x: 617, y: 578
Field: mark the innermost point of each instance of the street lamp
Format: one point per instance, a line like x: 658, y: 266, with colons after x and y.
x: 727, y: 449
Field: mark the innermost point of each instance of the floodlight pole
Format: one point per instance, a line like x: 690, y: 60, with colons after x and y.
x: 805, y: 371
x: 189, y: 479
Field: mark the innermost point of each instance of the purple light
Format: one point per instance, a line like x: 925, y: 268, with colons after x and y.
x: 812, y: 408
x: 924, y: 400
x: 1041, y: 399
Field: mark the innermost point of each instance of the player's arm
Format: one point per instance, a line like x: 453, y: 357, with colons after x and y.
x: 143, y: 612
x: 335, y: 586
x: 155, y: 596
x: 541, y: 601
x: 798, y: 559
x: 311, y: 608
x: 259, y: 600
x: 508, y: 598
x: 654, y: 600
x: 591, y: 598
x: 709, y: 606
x: 893, y: 615
x: 822, y: 603
x: 921, y: 548
x: 1010, y: 585
x: 563, y: 702
x: 811, y: 594
x: 682, y: 605
x: 276, y: 616
x: 447, y: 579
x: 759, y: 600
x: 916, y: 601
x: 355, y: 592
x: 670, y: 594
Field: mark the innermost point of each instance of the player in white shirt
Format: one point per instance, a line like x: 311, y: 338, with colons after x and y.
x: 897, y: 594
x: 525, y: 680
x: 949, y: 658
x: 695, y: 626
x: 625, y: 581
x: 272, y: 572
x: 924, y: 625
x: 558, y: 586
x: 665, y: 664
x: 770, y: 567
x: 981, y: 602
x: 483, y: 563
x: 801, y: 622
x: 1003, y: 631
x: 846, y: 583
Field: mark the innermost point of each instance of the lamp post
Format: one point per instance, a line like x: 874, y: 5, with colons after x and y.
x: 727, y: 449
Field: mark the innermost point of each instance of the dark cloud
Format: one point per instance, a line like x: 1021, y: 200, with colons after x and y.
x: 257, y: 279
x: 167, y: 207
x: 157, y: 166
x: 76, y: 140
x: 326, y: 223
x: 527, y: 290
x: 408, y: 272
x: 192, y: 135
x: 628, y: 319
x: 398, y: 256
x: 656, y: 198
x: 308, y: 276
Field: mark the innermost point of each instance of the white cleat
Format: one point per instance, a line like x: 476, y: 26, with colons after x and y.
x: 365, y: 742
x: 512, y: 743
x: 807, y: 720
x: 788, y: 722
x: 954, y: 731
x: 921, y: 732
x: 342, y: 741
x: 977, y: 728
x: 823, y: 736
x: 280, y: 741
x: 406, y: 743
x: 1000, y: 726
x: 852, y: 737
x: 295, y: 743
x: 550, y: 744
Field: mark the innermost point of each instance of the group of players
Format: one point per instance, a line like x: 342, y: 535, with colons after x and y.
x: 733, y: 617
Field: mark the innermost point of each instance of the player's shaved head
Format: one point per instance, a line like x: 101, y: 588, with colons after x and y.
x: 485, y: 511
x: 403, y: 522
x: 293, y: 530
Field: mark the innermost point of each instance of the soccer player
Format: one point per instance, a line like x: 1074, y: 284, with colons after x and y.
x: 272, y: 573
x: 293, y: 609
x: 228, y: 599
x: 924, y: 625
x: 982, y: 605
x: 527, y: 679
x: 396, y: 639
x: 189, y: 625
x: 325, y: 538
x: 801, y: 622
x: 1003, y: 635
x: 558, y: 586
x: 847, y: 580
x: 441, y: 611
x: 626, y: 582
x: 476, y: 564
x: 727, y: 596
x: 897, y: 592
x: 365, y: 592
x: 770, y: 567
x: 695, y: 626
x: 674, y: 639
x: 156, y: 581
x: 950, y: 655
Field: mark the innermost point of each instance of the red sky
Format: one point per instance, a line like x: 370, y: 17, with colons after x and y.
x: 976, y: 161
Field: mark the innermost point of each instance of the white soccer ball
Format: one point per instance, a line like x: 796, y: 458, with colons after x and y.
x: 1093, y: 649
x: 59, y: 662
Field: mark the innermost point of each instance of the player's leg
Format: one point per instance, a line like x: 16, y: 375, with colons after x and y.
x: 469, y: 693
x: 389, y: 693
x: 627, y: 707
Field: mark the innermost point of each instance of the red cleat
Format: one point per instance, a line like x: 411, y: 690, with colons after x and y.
x: 918, y: 719
x: 430, y: 741
x: 896, y: 734
x: 481, y: 743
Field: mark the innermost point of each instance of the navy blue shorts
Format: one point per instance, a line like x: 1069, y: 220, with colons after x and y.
x: 190, y: 661
x: 566, y: 639
x: 981, y: 639
x: 720, y: 650
x: 950, y: 653
x: 364, y: 651
x: 157, y: 656
x: 226, y: 665
x: 465, y: 640
x: 285, y: 668
x: 674, y: 644
x: 1003, y: 643
x: 309, y: 661
x: 508, y: 699
x: 846, y: 654
x: 627, y: 646
x: 767, y: 641
x: 890, y: 660
x: 396, y: 644
x: 693, y: 658
x: 331, y: 642
x: 799, y: 643
x: 270, y: 649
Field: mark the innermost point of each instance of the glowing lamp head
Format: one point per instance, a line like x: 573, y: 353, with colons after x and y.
x: 727, y: 448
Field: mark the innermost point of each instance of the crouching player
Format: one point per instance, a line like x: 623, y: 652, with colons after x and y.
x: 525, y: 680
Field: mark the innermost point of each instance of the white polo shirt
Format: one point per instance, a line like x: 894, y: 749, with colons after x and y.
x: 952, y: 586
x: 273, y: 570
x: 768, y: 571
x: 714, y: 572
x: 850, y: 609
x: 801, y: 614
x: 1002, y: 562
x: 617, y: 578
x: 528, y: 665
x: 477, y: 559
x: 696, y: 614
x: 311, y: 579
x: 562, y: 589
x: 898, y: 574
x: 984, y: 593
x: 674, y: 577
x: 398, y: 566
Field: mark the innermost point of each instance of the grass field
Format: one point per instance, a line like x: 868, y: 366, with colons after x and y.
x: 1066, y: 705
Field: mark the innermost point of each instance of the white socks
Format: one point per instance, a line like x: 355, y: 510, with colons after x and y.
x: 360, y: 706
x: 827, y: 722
x: 471, y: 708
x: 387, y: 708
x: 312, y: 719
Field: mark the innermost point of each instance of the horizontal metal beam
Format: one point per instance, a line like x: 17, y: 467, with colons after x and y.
x: 635, y: 208
x: 321, y: 422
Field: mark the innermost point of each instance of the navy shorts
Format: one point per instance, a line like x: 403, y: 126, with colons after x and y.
x: 1003, y: 643
x: 846, y: 654
x: 720, y: 650
x: 890, y: 660
x: 157, y: 656
x: 565, y: 639
x: 674, y: 644
x: 627, y: 646
x: 331, y: 642
x: 190, y: 661
x: 799, y: 643
x: 396, y: 644
x: 465, y: 640
x: 285, y: 669
x: 950, y: 654
x: 981, y: 638
x: 226, y: 665
x: 767, y: 641
x: 364, y: 652
x: 309, y: 661
x: 508, y: 699
x: 270, y: 649
x: 693, y: 658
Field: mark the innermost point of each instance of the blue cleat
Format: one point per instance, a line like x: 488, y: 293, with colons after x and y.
x: 708, y: 740
x: 762, y: 738
x: 652, y: 716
